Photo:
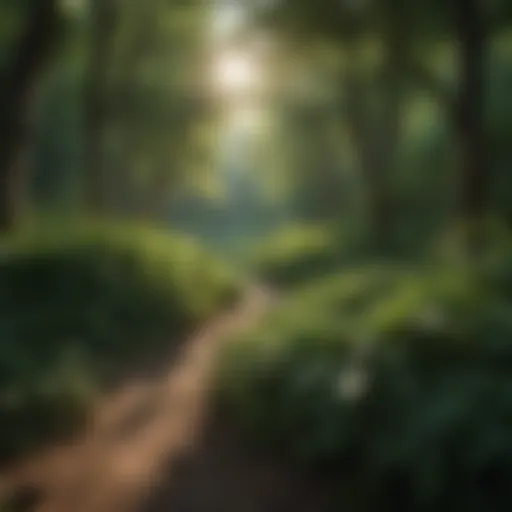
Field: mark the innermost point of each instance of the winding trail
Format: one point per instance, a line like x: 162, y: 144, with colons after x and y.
x: 153, y: 446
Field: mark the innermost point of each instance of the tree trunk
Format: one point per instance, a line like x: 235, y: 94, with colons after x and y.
x: 387, y: 132
x: 16, y: 101
x: 95, y: 183
x: 362, y: 130
x: 470, y: 110
x: 377, y: 133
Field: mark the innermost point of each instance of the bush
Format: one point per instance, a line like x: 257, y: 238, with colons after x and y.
x: 77, y: 303
x: 296, y: 255
x: 401, y: 383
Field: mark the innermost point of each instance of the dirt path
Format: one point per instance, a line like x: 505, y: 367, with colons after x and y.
x: 153, y: 447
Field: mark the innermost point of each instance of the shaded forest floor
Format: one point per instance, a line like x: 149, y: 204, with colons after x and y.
x: 153, y: 445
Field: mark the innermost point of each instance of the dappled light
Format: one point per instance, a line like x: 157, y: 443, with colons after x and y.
x: 236, y: 73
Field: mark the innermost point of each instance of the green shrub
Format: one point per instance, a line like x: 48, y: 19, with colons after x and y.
x: 78, y: 302
x: 401, y: 383
x: 296, y: 255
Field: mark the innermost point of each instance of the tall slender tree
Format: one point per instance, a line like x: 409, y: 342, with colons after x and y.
x: 18, y: 88
x: 471, y: 37
x: 102, y: 32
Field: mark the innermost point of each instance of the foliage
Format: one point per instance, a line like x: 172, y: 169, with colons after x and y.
x: 398, y: 382
x: 79, y: 301
x: 298, y: 254
x: 387, y: 116
x: 295, y: 254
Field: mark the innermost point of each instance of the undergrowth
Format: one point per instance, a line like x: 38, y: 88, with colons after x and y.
x: 77, y: 302
x: 398, y: 381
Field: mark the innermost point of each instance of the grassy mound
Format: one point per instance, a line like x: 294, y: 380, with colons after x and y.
x: 398, y: 382
x: 76, y: 304
x: 295, y: 255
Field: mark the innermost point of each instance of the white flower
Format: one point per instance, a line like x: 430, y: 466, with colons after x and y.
x: 432, y: 318
x: 352, y: 383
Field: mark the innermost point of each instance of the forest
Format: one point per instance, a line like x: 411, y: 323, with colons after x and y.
x: 255, y: 255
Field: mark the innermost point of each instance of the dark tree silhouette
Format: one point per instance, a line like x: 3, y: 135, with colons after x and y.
x: 104, y: 17
x: 17, y: 94
x: 469, y: 21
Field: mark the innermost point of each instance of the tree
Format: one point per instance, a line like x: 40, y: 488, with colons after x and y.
x: 476, y: 176
x: 140, y: 107
x: 18, y: 89
x: 374, y: 130
x: 102, y: 34
x: 400, y: 31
